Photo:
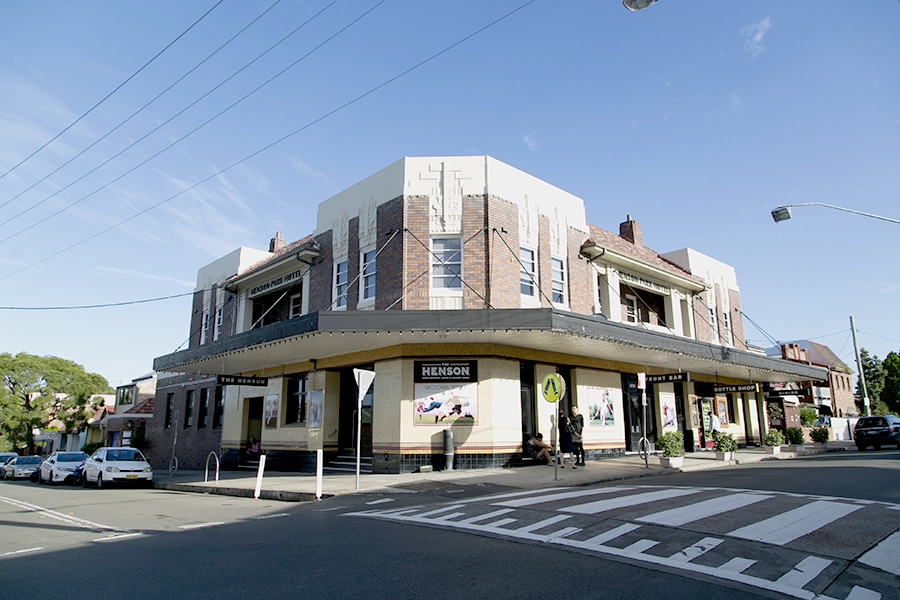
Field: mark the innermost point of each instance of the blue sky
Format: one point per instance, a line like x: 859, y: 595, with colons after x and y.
x: 695, y: 118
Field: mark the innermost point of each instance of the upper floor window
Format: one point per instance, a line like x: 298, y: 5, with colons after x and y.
x: 446, y: 263
x: 726, y: 325
x: 296, y: 305
x: 341, y: 281
x: 528, y: 272
x: 631, y: 309
x: 558, y: 277
x: 218, y: 330
x: 169, y: 399
x: 205, y: 327
x: 125, y: 395
x: 713, y: 326
x: 367, y: 289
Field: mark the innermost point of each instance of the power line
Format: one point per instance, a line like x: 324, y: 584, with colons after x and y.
x: 116, y: 89
x: 114, y: 129
x: 88, y: 306
x: 173, y: 117
x: 274, y: 143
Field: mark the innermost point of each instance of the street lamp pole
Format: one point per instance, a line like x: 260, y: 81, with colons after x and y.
x: 783, y: 212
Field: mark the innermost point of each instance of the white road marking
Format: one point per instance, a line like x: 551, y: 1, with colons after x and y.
x: 487, y: 516
x: 738, y: 565
x: 886, y: 555
x: 15, y: 552
x: 439, y: 511
x: 694, y: 512
x: 201, y: 525
x: 861, y: 593
x: 592, y: 508
x: 68, y: 519
x: 380, y: 501
x: 533, y: 500
x: 275, y: 516
x: 544, y: 523
x: 790, y: 525
x: 599, y: 540
x: 695, y: 550
x: 116, y: 538
x: 804, y: 571
x: 641, y: 545
x: 492, y: 497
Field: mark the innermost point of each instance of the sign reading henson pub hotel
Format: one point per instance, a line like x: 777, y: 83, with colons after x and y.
x: 446, y: 392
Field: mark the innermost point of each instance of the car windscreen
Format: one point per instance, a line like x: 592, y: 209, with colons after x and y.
x: 871, y: 422
x: 124, y: 455
x: 70, y: 457
x: 29, y: 460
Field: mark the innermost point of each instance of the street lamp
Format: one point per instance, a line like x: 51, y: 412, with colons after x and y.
x: 783, y: 212
x: 637, y: 4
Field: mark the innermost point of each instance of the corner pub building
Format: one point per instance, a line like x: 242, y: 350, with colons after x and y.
x: 460, y: 282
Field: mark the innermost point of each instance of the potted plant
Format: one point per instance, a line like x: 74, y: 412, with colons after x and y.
x: 772, y: 441
x: 794, y: 437
x: 724, y: 446
x: 820, y: 435
x: 672, y: 446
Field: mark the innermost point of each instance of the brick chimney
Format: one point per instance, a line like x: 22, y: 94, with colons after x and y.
x: 631, y: 231
x: 277, y: 243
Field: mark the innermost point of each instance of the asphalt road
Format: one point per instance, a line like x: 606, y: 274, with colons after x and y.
x: 138, y: 543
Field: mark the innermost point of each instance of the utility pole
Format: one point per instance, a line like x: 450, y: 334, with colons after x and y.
x: 862, y: 376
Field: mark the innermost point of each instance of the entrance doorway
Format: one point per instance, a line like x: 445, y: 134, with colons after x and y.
x: 529, y: 410
x: 253, y: 421
x: 636, y: 414
x: 349, y: 395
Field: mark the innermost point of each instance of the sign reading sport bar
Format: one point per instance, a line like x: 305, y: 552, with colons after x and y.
x: 430, y: 371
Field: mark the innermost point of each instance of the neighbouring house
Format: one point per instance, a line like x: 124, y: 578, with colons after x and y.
x: 125, y: 424
x: 456, y: 286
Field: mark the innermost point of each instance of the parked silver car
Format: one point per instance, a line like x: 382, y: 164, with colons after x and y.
x: 21, y: 467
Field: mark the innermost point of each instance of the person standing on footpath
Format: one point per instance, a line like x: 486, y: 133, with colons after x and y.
x: 577, y: 422
x: 565, y: 440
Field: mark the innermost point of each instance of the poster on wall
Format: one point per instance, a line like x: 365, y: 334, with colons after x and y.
x: 446, y: 392
x: 695, y: 412
x: 316, y: 410
x: 600, y: 407
x: 667, y: 405
x: 270, y: 411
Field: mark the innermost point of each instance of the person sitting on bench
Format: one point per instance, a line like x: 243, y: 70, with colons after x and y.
x: 541, y: 448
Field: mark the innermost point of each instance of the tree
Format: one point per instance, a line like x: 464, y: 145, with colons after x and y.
x: 42, y: 390
x: 873, y: 371
x: 890, y: 395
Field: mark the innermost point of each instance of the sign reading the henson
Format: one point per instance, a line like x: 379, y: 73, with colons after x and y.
x: 446, y: 371
x: 239, y: 380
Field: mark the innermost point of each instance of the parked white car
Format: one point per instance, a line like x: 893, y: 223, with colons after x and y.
x: 60, y: 467
x: 117, y: 465
x: 20, y: 467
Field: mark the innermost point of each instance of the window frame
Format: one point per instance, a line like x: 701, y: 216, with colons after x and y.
x: 188, y: 409
x: 203, y: 414
x: 558, y: 285
x: 341, y: 285
x: 295, y: 305
x: 218, y: 407
x: 440, y: 261
x: 295, y: 410
x: 367, y: 272
x: 528, y: 257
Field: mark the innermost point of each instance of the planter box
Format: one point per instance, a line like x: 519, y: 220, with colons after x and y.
x: 797, y: 448
x: 672, y: 462
x: 724, y: 455
x: 772, y: 449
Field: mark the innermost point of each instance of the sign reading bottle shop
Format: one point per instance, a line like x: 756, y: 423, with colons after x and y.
x: 239, y: 380
x: 428, y: 371
x: 726, y: 389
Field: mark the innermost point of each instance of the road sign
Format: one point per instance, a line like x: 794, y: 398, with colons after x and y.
x: 553, y: 388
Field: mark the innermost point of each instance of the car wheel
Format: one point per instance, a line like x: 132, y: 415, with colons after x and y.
x: 860, y: 447
x: 50, y: 479
x: 99, y: 481
x: 877, y: 446
x: 84, y: 481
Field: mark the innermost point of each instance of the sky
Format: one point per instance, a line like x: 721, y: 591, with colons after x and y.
x: 140, y: 141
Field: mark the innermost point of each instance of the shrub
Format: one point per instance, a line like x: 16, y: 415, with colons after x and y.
x: 820, y: 435
x: 724, y: 442
x: 773, y: 438
x: 91, y: 448
x: 671, y: 444
x: 808, y: 416
x: 794, y: 436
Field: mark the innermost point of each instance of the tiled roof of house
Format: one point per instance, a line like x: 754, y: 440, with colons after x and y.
x: 819, y: 354
x: 620, y: 245
x: 141, y: 408
x: 306, y: 242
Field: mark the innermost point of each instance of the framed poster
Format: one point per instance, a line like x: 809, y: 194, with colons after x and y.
x: 600, y: 407
x: 270, y: 414
x: 667, y: 406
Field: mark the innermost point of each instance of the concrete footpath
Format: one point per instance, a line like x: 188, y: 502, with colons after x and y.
x: 300, y: 487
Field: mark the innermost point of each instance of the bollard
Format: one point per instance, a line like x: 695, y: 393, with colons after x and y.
x: 448, y: 449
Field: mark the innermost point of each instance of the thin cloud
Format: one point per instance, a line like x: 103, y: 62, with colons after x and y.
x: 306, y: 170
x: 151, y: 277
x: 530, y: 142
x: 755, y: 34
x: 735, y: 102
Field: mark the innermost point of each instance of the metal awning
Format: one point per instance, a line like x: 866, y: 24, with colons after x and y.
x: 318, y: 336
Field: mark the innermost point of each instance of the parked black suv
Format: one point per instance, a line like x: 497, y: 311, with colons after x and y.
x: 877, y: 432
